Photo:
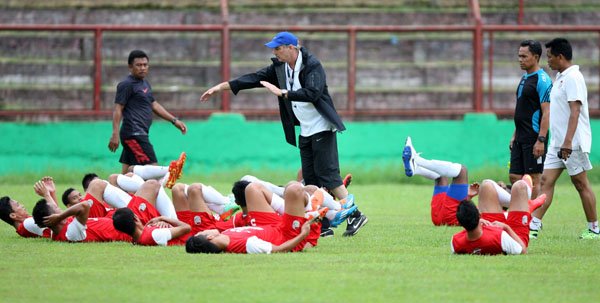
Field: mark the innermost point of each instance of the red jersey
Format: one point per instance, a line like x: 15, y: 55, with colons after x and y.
x: 490, y: 242
x: 97, y: 230
x: 239, y: 220
x: 199, y: 221
x: 239, y: 238
x: 143, y: 209
x: 28, y: 229
x: 97, y: 209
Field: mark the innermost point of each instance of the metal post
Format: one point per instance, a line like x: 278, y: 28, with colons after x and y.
x: 225, y: 54
x: 490, y: 70
x: 97, y: 68
x: 352, y: 70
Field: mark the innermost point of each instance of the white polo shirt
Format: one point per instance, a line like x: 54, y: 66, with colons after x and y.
x: 311, y: 121
x: 569, y: 86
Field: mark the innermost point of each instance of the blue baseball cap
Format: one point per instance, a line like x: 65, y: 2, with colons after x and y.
x: 282, y: 38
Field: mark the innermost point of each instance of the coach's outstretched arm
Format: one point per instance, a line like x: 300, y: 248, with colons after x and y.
x: 215, y: 89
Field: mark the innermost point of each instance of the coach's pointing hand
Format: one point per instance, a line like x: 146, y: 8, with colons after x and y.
x: 215, y: 89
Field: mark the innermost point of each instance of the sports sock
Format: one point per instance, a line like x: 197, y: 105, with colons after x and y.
x: 270, y: 186
x: 442, y: 168
x: 164, y: 205
x: 329, y: 202
x: 593, y: 226
x: 422, y: 171
x: 535, y: 224
x: 211, y: 195
x: 278, y: 204
x: 185, y: 189
x: 130, y: 183
x: 503, y: 195
x: 331, y: 214
x: 115, y: 196
x: 150, y: 171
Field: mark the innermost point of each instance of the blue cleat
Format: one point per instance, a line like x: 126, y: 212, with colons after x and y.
x: 408, y: 157
x: 342, y: 215
x: 347, y: 202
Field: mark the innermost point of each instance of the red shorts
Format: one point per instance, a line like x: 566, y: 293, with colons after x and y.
x: 239, y: 220
x: 199, y: 221
x: 517, y: 220
x: 259, y: 218
x: 142, y: 209
x: 443, y: 210
x: 97, y: 209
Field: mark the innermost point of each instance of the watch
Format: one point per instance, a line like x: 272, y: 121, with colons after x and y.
x: 174, y: 120
x: 542, y: 139
x: 284, y: 93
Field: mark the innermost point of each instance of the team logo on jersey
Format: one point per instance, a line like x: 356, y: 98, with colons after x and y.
x: 252, y: 222
x: 197, y: 220
x: 142, y: 207
x: 89, y: 202
x: 145, y: 90
x: 295, y: 224
x: 524, y: 220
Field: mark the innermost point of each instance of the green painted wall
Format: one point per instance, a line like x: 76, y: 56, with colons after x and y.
x: 227, y: 141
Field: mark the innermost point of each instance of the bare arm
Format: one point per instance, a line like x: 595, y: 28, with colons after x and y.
x: 291, y: 243
x: 179, y: 228
x: 79, y: 210
x: 163, y: 113
x: 539, y: 147
x: 113, y: 143
x: 512, y: 234
x: 215, y: 90
x: 45, y: 188
x: 567, y: 146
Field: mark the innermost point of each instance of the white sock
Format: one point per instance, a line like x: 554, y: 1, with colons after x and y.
x: 278, y: 204
x: 429, y: 174
x: 593, y: 226
x: 115, y: 196
x: 164, y: 205
x: 503, y: 195
x: 331, y: 214
x: 270, y: 186
x: 185, y: 190
x: 535, y: 223
x: 130, y: 183
x: 150, y: 171
x: 211, y: 195
x: 442, y: 168
x: 329, y: 202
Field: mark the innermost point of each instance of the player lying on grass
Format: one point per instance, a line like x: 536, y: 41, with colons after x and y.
x: 289, y: 233
x: 447, y: 197
x: 487, y: 230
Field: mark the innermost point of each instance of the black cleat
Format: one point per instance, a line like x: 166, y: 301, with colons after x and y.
x: 354, y: 225
x: 326, y: 233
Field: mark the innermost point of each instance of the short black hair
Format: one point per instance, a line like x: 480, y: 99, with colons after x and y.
x: 5, y: 210
x: 560, y: 46
x: 200, y: 244
x: 535, y: 47
x: 124, y: 220
x: 467, y: 215
x: 65, y: 196
x: 136, y: 54
x: 239, y: 192
x: 87, y: 179
x: 40, y: 211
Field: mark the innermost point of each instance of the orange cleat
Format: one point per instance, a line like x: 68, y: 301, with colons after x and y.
x: 316, y: 200
x: 175, y: 170
x: 347, y: 180
x: 537, y: 202
x: 316, y: 215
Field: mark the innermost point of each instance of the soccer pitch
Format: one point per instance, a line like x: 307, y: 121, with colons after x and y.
x: 399, y: 256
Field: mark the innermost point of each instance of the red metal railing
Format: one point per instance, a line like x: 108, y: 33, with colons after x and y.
x: 476, y: 28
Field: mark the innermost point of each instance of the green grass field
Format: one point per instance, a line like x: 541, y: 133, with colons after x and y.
x: 399, y: 256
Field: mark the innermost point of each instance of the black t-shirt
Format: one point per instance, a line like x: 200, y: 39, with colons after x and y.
x: 533, y: 90
x: 136, y: 97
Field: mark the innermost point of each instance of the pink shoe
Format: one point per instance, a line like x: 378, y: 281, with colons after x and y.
x: 537, y: 202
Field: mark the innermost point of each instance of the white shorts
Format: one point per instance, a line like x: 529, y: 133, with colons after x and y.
x: 76, y: 231
x: 577, y: 163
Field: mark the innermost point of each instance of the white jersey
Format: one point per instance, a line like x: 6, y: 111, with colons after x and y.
x: 569, y: 86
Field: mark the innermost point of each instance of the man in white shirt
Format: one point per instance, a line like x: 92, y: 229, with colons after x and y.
x: 569, y: 146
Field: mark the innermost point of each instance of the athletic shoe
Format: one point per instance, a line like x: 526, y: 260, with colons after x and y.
x: 537, y: 202
x: 533, y: 233
x: 175, y: 170
x: 328, y: 232
x: 229, y: 210
x: 319, y: 214
x: 316, y: 200
x: 347, y: 180
x: 342, y: 215
x: 347, y: 202
x: 589, y: 234
x: 355, y: 224
x: 408, y: 157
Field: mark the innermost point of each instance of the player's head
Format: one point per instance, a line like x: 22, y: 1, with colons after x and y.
x: 467, y: 215
x: 534, y: 47
x: 124, y: 221
x: 6, y: 210
x: 135, y: 54
x: 559, y: 54
x: 71, y: 197
x: 200, y: 244
x: 239, y: 192
x: 40, y: 211
x: 87, y: 179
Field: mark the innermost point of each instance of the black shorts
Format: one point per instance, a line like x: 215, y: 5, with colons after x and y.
x: 137, y: 150
x: 319, y: 156
x: 522, y: 160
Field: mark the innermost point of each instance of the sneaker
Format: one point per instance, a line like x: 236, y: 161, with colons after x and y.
x: 408, y: 157
x: 316, y: 200
x: 347, y: 202
x: 347, y: 180
x: 355, y: 224
x: 328, y: 232
x: 318, y: 214
x: 229, y: 210
x: 342, y: 215
x: 537, y: 202
x: 533, y: 233
x: 175, y: 170
x: 589, y: 234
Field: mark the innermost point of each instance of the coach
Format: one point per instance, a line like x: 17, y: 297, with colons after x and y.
x: 297, y: 78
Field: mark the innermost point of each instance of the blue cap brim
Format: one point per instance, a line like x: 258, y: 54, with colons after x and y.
x: 272, y: 44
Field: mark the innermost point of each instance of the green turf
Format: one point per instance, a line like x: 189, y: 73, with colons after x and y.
x: 398, y: 257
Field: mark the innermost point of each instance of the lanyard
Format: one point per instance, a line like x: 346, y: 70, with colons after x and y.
x: 290, y: 76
